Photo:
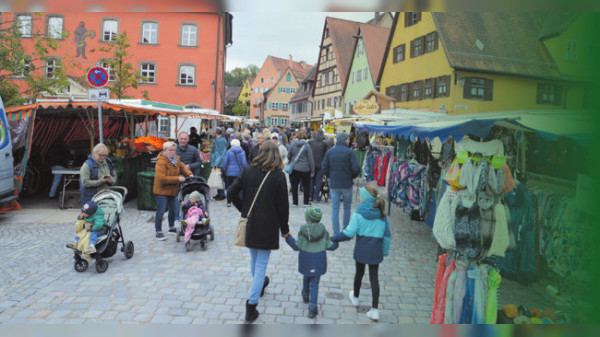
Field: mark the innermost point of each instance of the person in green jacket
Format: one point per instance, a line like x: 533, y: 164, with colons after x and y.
x: 94, y: 215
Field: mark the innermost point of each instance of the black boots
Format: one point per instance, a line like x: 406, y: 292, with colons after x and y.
x: 265, y: 284
x: 251, y: 312
x: 313, y: 311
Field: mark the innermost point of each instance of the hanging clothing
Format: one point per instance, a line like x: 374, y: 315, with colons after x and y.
x: 466, y: 316
x: 467, y: 230
x: 479, y: 297
x: 460, y: 289
x: 441, y: 300
x: 438, y: 282
x: 445, y: 218
x: 449, y: 311
x: 491, y: 307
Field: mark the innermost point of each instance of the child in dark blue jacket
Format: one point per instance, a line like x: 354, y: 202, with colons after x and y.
x: 373, y: 237
x: 313, y: 240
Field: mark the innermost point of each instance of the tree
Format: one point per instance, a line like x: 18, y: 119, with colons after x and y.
x: 24, y: 75
x: 240, y: 109
x: 126, y: 76
x: 237, y: 76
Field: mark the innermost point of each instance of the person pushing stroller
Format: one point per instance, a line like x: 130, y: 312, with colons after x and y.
x: 93, y: 215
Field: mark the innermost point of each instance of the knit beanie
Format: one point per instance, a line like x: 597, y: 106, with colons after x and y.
x: 341, y: 137
x: 195, y: 195
x: 313, y: 215
x: 89, y: 208
x: 365, y: 195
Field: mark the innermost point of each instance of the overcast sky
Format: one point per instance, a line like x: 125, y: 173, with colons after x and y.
x: 259, y: 34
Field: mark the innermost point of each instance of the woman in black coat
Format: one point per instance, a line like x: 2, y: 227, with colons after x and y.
x: 269, y: 215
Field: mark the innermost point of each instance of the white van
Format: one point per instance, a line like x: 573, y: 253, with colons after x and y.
x: 7, y: 174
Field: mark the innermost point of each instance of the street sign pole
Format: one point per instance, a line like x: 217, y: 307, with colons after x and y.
x: 98, y: 77
x: 100, y: 120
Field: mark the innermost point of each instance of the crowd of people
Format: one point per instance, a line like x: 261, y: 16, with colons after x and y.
x: 253, y: 164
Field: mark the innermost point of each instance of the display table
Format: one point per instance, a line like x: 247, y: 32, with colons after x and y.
x: 127, y: 169
x: 70, y: 175
x: 146, y: 199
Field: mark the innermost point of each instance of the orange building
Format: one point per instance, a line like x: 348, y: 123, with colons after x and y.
x: 180, y: 55
x: 270, y: 73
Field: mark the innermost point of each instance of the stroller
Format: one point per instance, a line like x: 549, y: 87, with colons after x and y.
x: 111, y: 201
x: 201, y: 230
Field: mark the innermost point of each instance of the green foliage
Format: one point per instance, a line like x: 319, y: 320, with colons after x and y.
x: 240, y: 109
x: 237, y: 76
x: 23, y: 73
x: 126, y: 75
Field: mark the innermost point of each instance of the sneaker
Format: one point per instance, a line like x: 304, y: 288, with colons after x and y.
x: 373, y: 314
x: 353, y: 300
x: 172, y: 230
x: 91, y: 250
x: 72, y: 245
x: 160, y: 236
x: 228, y: 204
x: 308, y: 205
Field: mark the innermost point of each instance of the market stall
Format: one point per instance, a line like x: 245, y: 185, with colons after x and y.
x: 499, y: 190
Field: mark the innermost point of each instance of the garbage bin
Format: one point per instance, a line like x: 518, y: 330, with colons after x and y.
x: 145, y: 197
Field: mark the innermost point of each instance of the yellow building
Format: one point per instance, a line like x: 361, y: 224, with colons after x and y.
x: 244, y: 96
x: 479, y: 62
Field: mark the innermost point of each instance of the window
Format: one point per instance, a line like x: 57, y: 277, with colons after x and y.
x: 24, y: 69
x: 274, y: 105
x: 54, y: 26
x: 148, y: 71
x: 416, y: 91
x: 273, y: 121
x: 404, y: 92
x: 416, y: 47
x: 189, y: 35
x: 365, y: 75
x: 391, y: 91
x: 327, y: 32
x: 411, y: 18
x: 255, y: 100
x: 278, y: 74
x: 262, y: 80
x: 549, y: 94
x: 428, y: 88
x: 431, y: 42
x: 110, y: 29
x: 272, y: 80
x: 323, y: 79
x: 187, y: 74
x: 330, y: 75
x: 164, y: 126
x: 24, y: 25
x: 285, y: 106
x: 52, y: 66
x: 478, y: 88
x: 399, y: 53
x: 360, y: 47
x: 572, y: 50
x: 150, y: 32
x: 442, y: 85
x: 288, y: 77
x: 112, y: 76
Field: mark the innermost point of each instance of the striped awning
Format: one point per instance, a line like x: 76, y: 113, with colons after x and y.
x: 19, y: 114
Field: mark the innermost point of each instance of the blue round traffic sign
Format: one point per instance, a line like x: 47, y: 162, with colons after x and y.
x: 98, y: 77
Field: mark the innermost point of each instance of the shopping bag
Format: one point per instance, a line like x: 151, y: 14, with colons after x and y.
x: 289, y: 167
x: 240, y: 233
x: 214, y: 180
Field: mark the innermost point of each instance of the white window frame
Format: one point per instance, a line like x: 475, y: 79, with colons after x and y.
x: 112, y: 76
x: 53, y: 33
x: 164, y: 125
x: 148, y: 71
x: 26, y: 68
x: 285, y: 106
x: 187, y: 67
x: 112, y: 35
x: 273, y: 121
x: 150, y: 33
x: 186, y: 36
x: 24, y: 28
x: 51, y: 68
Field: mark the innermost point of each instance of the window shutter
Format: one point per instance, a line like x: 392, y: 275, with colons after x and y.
x: 418, y: 16
x: 489, y: 90
x: 558, y: 93
x: 395, y: 57
x: 467, y: 88
x: 434, y: 89
x: 406, y: 18
x: 435, y: 39
x: 412, y: 48
x: 420, y: 87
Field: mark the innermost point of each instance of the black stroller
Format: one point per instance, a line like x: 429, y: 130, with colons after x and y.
x: 201, y: 230
x: 111, y: 201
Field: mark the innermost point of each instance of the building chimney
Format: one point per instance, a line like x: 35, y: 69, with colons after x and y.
x: 290, y: 61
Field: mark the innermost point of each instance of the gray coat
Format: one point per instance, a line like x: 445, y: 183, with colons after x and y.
x: 306, y: 162
x: 318, y: 147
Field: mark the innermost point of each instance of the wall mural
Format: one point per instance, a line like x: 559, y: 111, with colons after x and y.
x: 81, y: 33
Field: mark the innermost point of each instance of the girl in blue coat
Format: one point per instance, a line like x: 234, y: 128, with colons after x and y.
x: 373, y: 237
x: 234, y: 163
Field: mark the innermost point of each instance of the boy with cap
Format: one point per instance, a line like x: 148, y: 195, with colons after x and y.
x: 313, y: 240
x: 94, y: 215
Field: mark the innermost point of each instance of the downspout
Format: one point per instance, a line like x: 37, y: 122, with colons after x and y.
x: 217, y: 62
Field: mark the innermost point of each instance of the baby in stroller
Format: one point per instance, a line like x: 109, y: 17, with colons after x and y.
x: 194, y: 201
x: 92, y: 214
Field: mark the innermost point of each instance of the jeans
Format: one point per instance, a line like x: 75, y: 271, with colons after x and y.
x: 316, y: 182
x: 295, y: 177
x: 336, y: 194
x: 161, y: 204
x: 56, y: 180
x: 310, y: 284
x: 259, y: 258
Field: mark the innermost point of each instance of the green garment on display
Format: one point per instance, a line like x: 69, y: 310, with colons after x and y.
x: 491, y: 309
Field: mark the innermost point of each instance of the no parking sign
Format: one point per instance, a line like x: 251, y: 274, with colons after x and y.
x: 97, y: 76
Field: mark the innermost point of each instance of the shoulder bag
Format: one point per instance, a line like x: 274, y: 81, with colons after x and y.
x: 240, y: 232
x: 290, y: 166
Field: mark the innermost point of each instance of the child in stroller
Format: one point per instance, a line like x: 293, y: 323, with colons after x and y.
x: 92, y: 215
x: 194, y: 199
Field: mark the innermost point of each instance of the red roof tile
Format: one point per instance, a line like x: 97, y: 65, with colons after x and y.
x: 342, y: 37
x: 375, y: 39
x: 300, y: 69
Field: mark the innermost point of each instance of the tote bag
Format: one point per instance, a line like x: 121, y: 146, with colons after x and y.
x: 240, y: 232
x: 214, y: 180
x: 290, y: 166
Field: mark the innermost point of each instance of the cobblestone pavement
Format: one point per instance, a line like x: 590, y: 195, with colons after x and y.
x: 164, y: 284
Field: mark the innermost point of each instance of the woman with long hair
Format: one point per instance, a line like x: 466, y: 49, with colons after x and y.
x: 268, y: 218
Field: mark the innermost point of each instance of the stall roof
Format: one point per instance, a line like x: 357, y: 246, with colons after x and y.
x: 549, y: 124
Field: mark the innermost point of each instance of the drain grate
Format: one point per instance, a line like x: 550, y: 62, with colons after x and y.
x: 334, y: 295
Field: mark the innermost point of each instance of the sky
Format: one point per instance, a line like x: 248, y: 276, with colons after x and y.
x: 259, y: 34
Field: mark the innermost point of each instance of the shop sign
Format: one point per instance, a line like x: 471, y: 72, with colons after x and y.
x: 365, y: 107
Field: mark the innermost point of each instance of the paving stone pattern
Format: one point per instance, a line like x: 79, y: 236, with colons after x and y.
x: 163, y: 283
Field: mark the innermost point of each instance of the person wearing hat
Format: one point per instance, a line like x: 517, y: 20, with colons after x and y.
x: 92, y: 214
x: 195, y: 201
x: 341, y: 166
x: 313, y: 241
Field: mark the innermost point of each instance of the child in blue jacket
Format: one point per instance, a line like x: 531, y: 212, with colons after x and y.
x: 313, y: 240
x: 93, y: 214
x: 373, y: 237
